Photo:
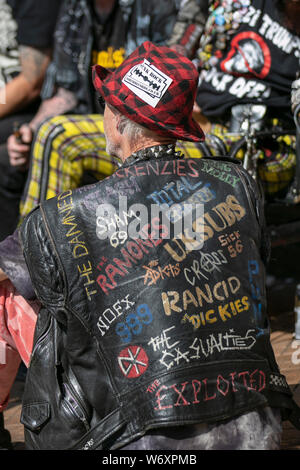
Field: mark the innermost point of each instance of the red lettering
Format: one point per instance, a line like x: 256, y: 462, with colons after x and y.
x: 163, y: 172
x: 206, y: 398
x: 156, y: 242
x: 102, y: 281
x: 232, y: 374
x: 181, y: 167
x: 243, y: 374
x: 113, y: 271
x: 153, y: 386
x: 152, y: 236
x: 196, y: 391
x: 126, y: 261
x: 221, y: 385
x: 119, y: 173
x: 195, y: 172
x: 142, y: 242
x: 262, y: 381
x: 181, y: 397
x: 252, y: 380
x: 128, y: 172
x: 140, y: 171
x: 157, y: 228
x: 155, y: 170
x: 160, y: 398
x: 134, y: 250
x: 220, y: 382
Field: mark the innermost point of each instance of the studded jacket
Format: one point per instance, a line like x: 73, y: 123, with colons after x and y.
x: 154, y: 307
x: 220, y: 37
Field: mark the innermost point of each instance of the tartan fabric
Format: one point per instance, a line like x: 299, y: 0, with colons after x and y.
x: 67, y: 146
x: 64, y: 149
x: 276, y: 167
x: 276, y: 158
x: 173, y: 113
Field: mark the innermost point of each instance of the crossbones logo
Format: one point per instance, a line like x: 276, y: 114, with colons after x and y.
x: 133, y: 361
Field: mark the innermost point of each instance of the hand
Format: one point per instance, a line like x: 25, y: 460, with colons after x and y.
x: 2, y: 275
x: 19, y: 152
x: 295, y: 94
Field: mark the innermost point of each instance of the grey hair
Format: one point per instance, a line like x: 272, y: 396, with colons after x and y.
x: 132, y: 129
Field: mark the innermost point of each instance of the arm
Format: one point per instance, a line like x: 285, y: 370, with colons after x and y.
x: 295, y: 93
x: 62, y: 102
x: 43, y: 264
x: 33, y: 18
x: 13, y: 266
x: 26, y: 87
x: 189, y: 27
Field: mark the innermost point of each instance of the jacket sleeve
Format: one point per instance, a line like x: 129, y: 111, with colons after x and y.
x: 63, y: 70
x: 189, y: 26
x: 13, y: 264
x: 43, y: 265
x: 162, y: 20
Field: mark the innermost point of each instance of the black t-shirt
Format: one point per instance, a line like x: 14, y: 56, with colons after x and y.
x: 252, y: 60
x: 110, y: 35
x: 36, y: 21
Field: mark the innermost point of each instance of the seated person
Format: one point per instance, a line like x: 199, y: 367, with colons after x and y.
x: 248, y: 53
x: 220, y: 88
x: 27, y: 29
x: 103, y: 31
x: 134, y: 346
x: 72, y: 142
x: 25, y: 54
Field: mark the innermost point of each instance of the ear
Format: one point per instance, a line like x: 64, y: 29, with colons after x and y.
x: 120, y: 123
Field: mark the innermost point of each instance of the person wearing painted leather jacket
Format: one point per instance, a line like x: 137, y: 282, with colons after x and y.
x: 152, y: 331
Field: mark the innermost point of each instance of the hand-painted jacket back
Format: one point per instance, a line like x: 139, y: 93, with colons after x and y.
x: 165, y: 328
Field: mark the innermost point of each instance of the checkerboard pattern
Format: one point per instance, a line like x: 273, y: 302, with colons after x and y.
x: 173, y: 114
x: 278, y: 382
x: 65, y: 148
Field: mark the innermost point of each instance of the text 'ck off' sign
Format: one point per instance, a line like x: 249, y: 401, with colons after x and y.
x: 147, y: 82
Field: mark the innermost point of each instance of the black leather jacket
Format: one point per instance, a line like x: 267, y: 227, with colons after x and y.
x: 136, y: 334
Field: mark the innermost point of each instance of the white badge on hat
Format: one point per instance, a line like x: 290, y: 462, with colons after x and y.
x: 147, y: 82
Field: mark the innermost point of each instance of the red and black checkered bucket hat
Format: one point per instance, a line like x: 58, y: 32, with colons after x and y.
x: 155, y: 87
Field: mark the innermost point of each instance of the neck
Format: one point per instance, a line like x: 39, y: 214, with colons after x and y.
x: 128, y: 148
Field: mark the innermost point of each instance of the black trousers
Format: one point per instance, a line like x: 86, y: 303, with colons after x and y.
x: 12, y: 180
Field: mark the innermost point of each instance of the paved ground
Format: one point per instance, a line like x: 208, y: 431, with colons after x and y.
x: 287, y: 350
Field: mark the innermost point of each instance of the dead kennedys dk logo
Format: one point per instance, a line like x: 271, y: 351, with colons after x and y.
x: 133, y: 361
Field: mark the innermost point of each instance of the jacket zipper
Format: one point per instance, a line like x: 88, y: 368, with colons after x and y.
x: 76, y: 405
